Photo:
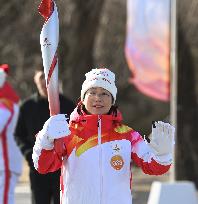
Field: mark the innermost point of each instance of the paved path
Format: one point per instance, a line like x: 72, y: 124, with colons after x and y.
x: 140, y: 187
x: 22, y: 193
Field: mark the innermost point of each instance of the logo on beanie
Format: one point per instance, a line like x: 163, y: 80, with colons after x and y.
x: 99, y: 79
x: 101, y: 72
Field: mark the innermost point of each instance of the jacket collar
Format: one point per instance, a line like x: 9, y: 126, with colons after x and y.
x: 91, y: 121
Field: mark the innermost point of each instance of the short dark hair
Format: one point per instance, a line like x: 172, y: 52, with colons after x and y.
x: 39, y: 68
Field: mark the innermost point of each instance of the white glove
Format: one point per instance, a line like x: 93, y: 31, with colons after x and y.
x: 54, y: 128
x: 162, y: 140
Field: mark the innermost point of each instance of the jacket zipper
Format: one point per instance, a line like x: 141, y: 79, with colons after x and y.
x: 100, y: 158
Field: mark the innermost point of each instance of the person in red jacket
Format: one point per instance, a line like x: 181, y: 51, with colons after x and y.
x: 97, y: 148
x: 10, y: 156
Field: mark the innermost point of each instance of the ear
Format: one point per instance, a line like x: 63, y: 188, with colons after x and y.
x: 35, y: 78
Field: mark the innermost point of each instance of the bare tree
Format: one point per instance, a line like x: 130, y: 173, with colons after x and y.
x: 186, y: 167
x: 78, y: 40
x: 92, y: 34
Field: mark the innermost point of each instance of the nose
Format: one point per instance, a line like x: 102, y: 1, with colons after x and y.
x: 98, y: 97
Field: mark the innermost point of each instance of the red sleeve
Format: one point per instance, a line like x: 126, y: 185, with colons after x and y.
x: 143, y: 156
x: 49, y: 161
x: 150, y: 167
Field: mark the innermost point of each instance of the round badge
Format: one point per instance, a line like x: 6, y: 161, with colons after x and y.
x: 117, y: 162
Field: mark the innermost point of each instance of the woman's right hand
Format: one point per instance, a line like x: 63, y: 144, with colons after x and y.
x: 56, y: 127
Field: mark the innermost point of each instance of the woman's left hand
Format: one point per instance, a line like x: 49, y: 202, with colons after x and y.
x: 162, y: 140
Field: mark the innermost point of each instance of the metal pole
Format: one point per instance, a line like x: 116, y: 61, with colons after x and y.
x: 173, y: 78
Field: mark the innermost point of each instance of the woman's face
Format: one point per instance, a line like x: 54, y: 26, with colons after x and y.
x: 97, y: 101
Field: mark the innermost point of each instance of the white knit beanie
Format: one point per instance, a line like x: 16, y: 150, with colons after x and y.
x: 101, y: 77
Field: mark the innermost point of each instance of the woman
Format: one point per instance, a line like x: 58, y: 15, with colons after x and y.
x: 98, y: 148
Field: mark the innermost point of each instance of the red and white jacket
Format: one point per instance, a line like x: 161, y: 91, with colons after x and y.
x: 10, y: 155
x: 96, y: 166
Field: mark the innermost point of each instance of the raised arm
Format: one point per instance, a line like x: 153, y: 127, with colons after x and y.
x: 154, y: 158
x: 45, y: 157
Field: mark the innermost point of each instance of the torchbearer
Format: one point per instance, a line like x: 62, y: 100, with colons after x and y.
x: 96, y: 166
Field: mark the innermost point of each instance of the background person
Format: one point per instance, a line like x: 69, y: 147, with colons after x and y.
x: 34, y: 111
x: 10, y: 156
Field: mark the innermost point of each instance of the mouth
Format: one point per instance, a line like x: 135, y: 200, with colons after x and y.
x: 98, y: 106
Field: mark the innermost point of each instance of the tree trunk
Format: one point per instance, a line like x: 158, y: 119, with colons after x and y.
x: 186, y: 165
x: 78, y: 44
x: 92, y: 34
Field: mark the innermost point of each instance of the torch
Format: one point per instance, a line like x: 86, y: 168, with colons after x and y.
x: 49, y: 39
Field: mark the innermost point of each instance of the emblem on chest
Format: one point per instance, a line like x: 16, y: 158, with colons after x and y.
x: 116, y: 161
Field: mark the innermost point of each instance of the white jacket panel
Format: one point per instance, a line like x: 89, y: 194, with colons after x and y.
x: 13, y: 154
x: 4, y: 117
x: 89, y: 181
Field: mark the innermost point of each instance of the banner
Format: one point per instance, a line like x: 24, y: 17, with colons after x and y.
x: 147, y: 46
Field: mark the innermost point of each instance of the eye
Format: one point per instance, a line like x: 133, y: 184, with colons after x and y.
x: 92, y: 93
x: 105, y: 94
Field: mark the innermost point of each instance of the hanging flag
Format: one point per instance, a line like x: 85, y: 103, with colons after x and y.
x: 147, y: 46
x: 49, y: 38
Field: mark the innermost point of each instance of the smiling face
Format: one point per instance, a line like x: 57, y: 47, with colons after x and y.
x: 97, y: 101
